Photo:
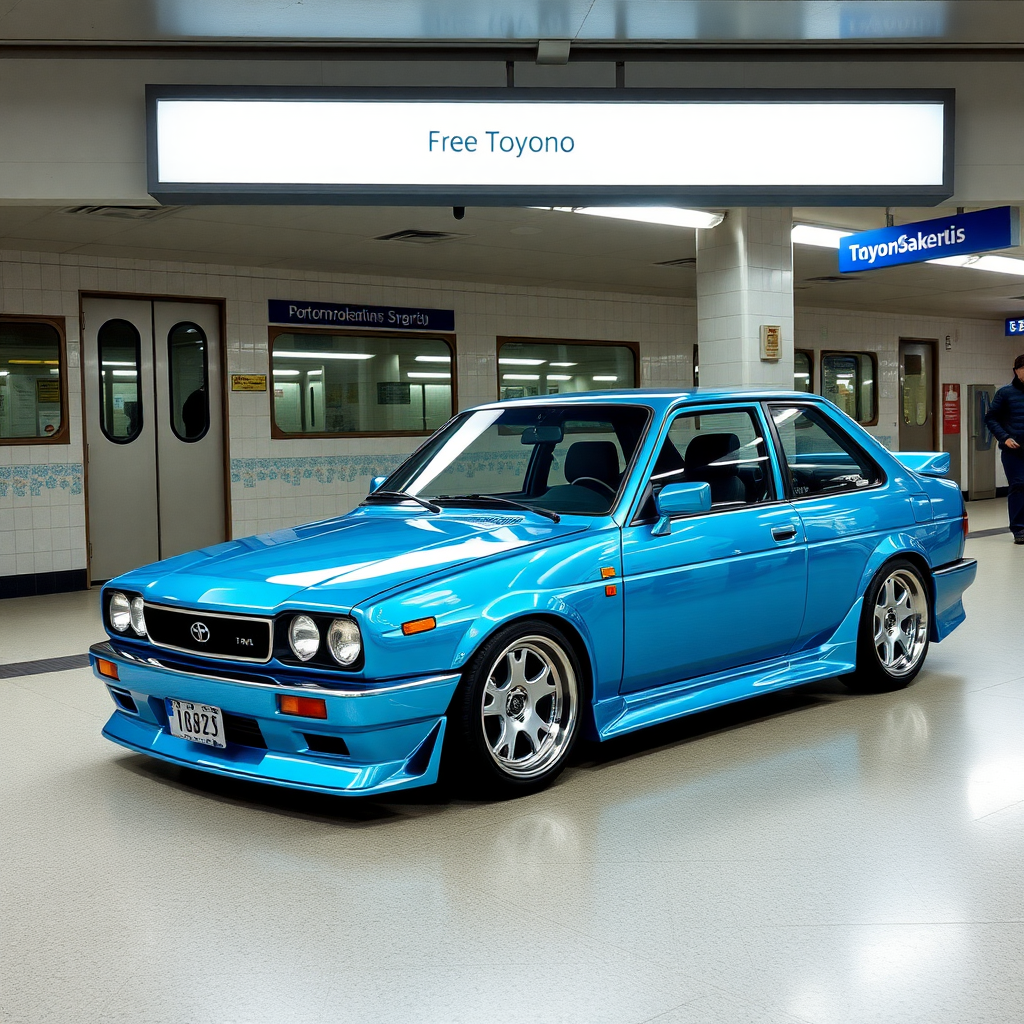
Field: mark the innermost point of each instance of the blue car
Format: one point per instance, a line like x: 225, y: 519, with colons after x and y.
x: 540, y: 569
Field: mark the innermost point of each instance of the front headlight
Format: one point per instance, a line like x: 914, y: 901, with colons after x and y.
x: 303, y: 637
x: 120, y: 611
x: 344, y: 641
x: 138, y: 616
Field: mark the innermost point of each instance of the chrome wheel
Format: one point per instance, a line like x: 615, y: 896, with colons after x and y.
x: 529, y: 707
x: 900, y: 623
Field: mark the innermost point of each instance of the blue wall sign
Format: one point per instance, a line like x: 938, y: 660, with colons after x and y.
x: 959, y: 235
x: 1014, y: 326
x: 347, y: 314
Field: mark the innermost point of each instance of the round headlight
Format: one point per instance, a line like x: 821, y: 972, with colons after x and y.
x: 304, y: 637
x: 138, y: 616
x: 344, y: 641
x: 120, y: 611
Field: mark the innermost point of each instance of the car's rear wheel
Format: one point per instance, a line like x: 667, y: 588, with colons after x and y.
x: 516, y: 715
x: 894, y: 629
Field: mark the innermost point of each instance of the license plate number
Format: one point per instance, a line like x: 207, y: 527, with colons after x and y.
x: 200, y: 723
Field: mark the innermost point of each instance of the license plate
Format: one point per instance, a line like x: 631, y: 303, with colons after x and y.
x: 200, y: 723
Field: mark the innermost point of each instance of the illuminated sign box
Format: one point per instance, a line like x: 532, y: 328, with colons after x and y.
x: 563, y: 147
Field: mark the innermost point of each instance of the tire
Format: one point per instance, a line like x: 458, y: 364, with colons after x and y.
x: 516, y: 714
x: 892, y: 643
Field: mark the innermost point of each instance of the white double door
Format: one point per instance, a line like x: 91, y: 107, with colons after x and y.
x: 153, y: 429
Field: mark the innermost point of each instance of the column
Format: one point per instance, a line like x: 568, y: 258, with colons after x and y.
x: 744, y: 282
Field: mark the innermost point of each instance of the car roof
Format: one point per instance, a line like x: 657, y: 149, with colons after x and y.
x: 656, y: 397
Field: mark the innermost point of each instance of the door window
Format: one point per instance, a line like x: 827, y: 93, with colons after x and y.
x: 723, y: 448
x: 819, y: 457
x: 916, y: 389
x: 187, y: 376
x: 119, y: 354
x: 803, y: 363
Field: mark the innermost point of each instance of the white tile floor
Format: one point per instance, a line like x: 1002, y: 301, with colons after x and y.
x: 807, y: 857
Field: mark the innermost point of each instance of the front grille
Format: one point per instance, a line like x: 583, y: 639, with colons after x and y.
x: 210, y: 634
x: 243, y: 731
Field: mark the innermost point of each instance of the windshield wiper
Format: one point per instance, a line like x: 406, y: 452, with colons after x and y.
x: 402, y: 496
x: 507, y: 502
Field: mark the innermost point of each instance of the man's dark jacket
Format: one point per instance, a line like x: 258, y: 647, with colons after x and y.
x: 1005, y: 416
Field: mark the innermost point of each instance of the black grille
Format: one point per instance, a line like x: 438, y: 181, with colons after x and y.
x: 326, y: 744
x: 243, y: 731
x: 237, y: 637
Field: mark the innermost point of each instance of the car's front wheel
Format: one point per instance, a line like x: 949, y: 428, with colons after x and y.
x: 894, y: 628
x: 516, y: 715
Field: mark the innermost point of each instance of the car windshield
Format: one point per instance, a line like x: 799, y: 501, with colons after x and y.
x: 562, y: 458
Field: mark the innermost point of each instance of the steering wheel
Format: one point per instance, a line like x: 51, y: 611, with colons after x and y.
x: 593, y: 479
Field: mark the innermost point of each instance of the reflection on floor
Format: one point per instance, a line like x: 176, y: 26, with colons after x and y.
x: 810, y: 856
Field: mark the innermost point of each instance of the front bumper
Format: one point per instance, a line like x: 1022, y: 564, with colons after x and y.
x: 393, y: 734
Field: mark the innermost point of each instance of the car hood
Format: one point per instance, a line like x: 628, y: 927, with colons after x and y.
x: 338, y: 563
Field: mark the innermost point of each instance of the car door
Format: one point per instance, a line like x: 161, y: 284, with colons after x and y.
x: 839, y: 494
x: 724, y: 588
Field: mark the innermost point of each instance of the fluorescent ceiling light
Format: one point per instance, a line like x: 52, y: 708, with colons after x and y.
x: 433, y: 359
x: 314, y: 373
x: 112, y: 362
x: 601, y: 377
x: 429, y: 375
x: 559, y: 376
x: 670, y: 216
x: 286, y: 354
x: 993, y: 264
x: 520, y: 376
x: 561, y: 364
x: 128, y: 373
x: 522, y: 362
x: 281, y: 373
x: 4, y: 373
x: 54, y: 371
x: 812, y: 234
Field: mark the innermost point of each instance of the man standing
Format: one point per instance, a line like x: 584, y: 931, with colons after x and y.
x: 1005, y: 418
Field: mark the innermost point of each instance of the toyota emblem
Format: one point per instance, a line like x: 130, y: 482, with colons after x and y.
x: 200, y: 633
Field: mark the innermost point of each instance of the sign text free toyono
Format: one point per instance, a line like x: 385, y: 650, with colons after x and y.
x: 496, y: 142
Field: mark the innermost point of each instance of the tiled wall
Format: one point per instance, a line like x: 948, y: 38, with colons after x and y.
x: 277, y: 483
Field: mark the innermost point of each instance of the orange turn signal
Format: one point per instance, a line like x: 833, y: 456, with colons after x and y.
x: 106, y: 668
x: 305, y: 707
x: 419, y: 626
x: 607, y: 572
x: 610, y: 590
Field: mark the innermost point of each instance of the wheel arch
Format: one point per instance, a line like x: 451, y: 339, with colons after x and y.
x: 909, y: 551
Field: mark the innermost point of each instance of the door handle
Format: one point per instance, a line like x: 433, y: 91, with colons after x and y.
x: 781, y: 533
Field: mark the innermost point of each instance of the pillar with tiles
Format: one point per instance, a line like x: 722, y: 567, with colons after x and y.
x: 744, y: 283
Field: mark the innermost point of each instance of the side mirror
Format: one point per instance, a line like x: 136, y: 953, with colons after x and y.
x: 680, y: 500
x: 375, y: 482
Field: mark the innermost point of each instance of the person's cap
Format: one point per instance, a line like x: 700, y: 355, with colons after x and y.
x: 1018, y: 362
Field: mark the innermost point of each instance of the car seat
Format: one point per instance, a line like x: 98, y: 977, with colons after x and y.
x: 702, y: 454
x: 593, y: 464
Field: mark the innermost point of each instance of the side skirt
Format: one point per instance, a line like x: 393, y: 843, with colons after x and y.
x: 619, y: 715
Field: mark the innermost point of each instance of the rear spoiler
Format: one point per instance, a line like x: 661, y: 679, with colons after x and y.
x: 925, y: 463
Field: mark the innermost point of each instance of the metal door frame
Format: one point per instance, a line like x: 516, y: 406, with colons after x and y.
x: 221, y: 305
x: 936, y: 387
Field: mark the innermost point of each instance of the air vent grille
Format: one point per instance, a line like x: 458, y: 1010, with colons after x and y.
x: 418, y: 237
x: 121, y: 212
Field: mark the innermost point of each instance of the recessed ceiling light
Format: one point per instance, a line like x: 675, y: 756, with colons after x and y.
x: 522, y: 362
x: 993, y: 264
x: 433, y: 359
x: 602, y: 377
x: 429, y: 375
x: 286, y: 354
x: 559, y: 376
x: 561, y: 364
x: 812, y: 234
x: 520, y: 376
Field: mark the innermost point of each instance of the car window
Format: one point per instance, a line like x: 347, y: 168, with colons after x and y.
x: 723, y: 448
x: 820, y: 458
x: 557, y: 457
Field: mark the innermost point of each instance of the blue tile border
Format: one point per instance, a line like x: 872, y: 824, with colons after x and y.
x: 31, y: 481
x: 328, y: 469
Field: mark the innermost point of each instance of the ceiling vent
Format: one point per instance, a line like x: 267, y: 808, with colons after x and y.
x: 683, y: 261
x: 121, y: 212
x: 417, y: 237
